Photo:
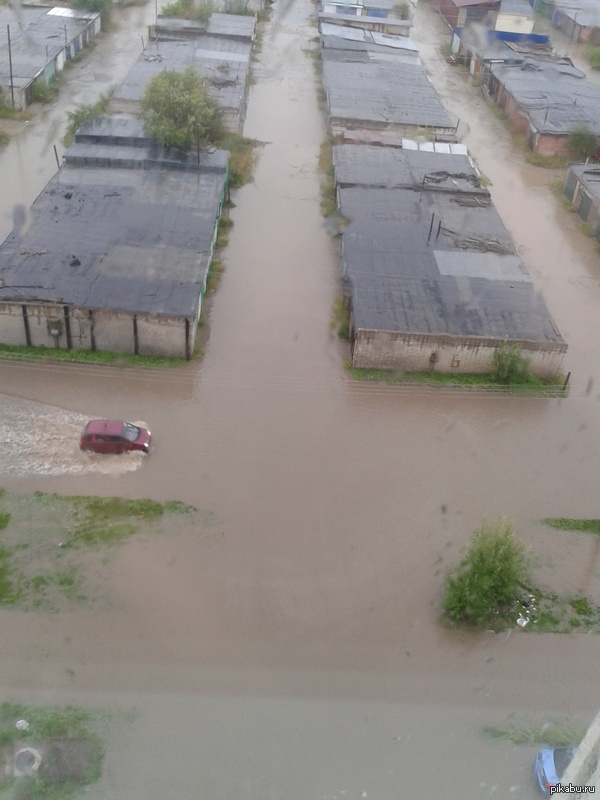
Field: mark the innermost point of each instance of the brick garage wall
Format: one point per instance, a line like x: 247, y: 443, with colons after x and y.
x: 446, y: 354
x: 38, y: 317
x: 518, y: 118
x: 12, y: 326
x: 80, y: 324
x: 163, y: 336
x: 547, y: 145
x: 114, y: 331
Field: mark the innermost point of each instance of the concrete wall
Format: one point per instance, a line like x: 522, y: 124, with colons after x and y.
x: 514, y: 23
x: 584, y: 768
x: 40, y: 318
x: 159, y: 336
x: 97, y: 330
x: 446, y: 354
x: 12, y: 327
x: 80, y: 325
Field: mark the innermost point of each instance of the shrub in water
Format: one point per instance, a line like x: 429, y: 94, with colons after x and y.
x: 490, y: 577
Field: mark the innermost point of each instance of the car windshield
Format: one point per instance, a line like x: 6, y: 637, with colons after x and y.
x: 562, y: 759
x: 131, y: 432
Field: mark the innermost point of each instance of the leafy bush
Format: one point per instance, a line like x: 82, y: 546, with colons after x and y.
x: 178, y: 111
x: 83, y: 114
x: 188, y: 9
x: 103, y: 6
x: 509, y: 364
x: 484, y: 588
x: 42, y: 92
x: 592, y: 53
x: 583, y: 143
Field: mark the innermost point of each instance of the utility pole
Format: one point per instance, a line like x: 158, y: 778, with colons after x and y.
x: 12, y: 88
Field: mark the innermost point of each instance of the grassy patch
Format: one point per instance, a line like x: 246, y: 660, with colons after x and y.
x: 242, y: 158
x: 83, y: 114
x: 329, y: 205
x: 41, y: 353
x: 8, y: 112
x: 225, y: 225
x: 214, y: 276
x: 263, y: 16
x: 340, y: 319
x: 569, y: 524
x: 484, y: 383
x: 189, y: 9
x: 72, y: 750
x: 41, y: 559
x: 42, y: 92
x: 592, y: 53
x: 546, y: 162
x: 548, y: 734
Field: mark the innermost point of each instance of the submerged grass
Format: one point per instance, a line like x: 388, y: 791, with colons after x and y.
x: 73, y: 750
x: 41, y: 562
x: 84, y: 114
x: 41, y: 353
x: 217, y: 268
x: 549, y: 734
x: 243, y: 154
x: 570, y: 524
x: 533, y: 386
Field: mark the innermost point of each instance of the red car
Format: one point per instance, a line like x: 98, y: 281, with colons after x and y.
x: 114, y: 436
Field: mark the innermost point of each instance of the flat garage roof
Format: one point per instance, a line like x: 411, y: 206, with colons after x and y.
x: 134, y: 240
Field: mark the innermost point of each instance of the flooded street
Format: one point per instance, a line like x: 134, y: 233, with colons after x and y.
x: 290, y: 648
x: 28, y: 162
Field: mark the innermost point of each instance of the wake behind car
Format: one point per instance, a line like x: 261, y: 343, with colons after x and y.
x: 550, y: 765
x: 114, y: 436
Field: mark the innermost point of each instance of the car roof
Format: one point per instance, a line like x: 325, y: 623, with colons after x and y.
x: 112, y: 427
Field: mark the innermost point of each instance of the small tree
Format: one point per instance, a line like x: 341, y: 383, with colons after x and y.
x: 485, y: 586
x: 178, y: 111
x: 509, y: 364
x: 583, y: 143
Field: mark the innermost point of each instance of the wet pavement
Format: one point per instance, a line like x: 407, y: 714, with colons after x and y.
x: 292, y: 648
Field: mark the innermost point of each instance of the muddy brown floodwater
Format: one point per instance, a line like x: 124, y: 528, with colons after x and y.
x: 289, y: 647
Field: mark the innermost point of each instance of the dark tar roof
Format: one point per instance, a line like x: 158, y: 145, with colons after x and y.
x: 584, y: 12
x: 134, y: 240
x: 393, y: 24
x: 339, y: 37
x: 589, y: 175
x: 465, y: 280
x: 391, y: 167
x: 223, y: 62
x: 233, y: 25
x: 37, y: 36
x: 557, y: 97
x: 379, y: 90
